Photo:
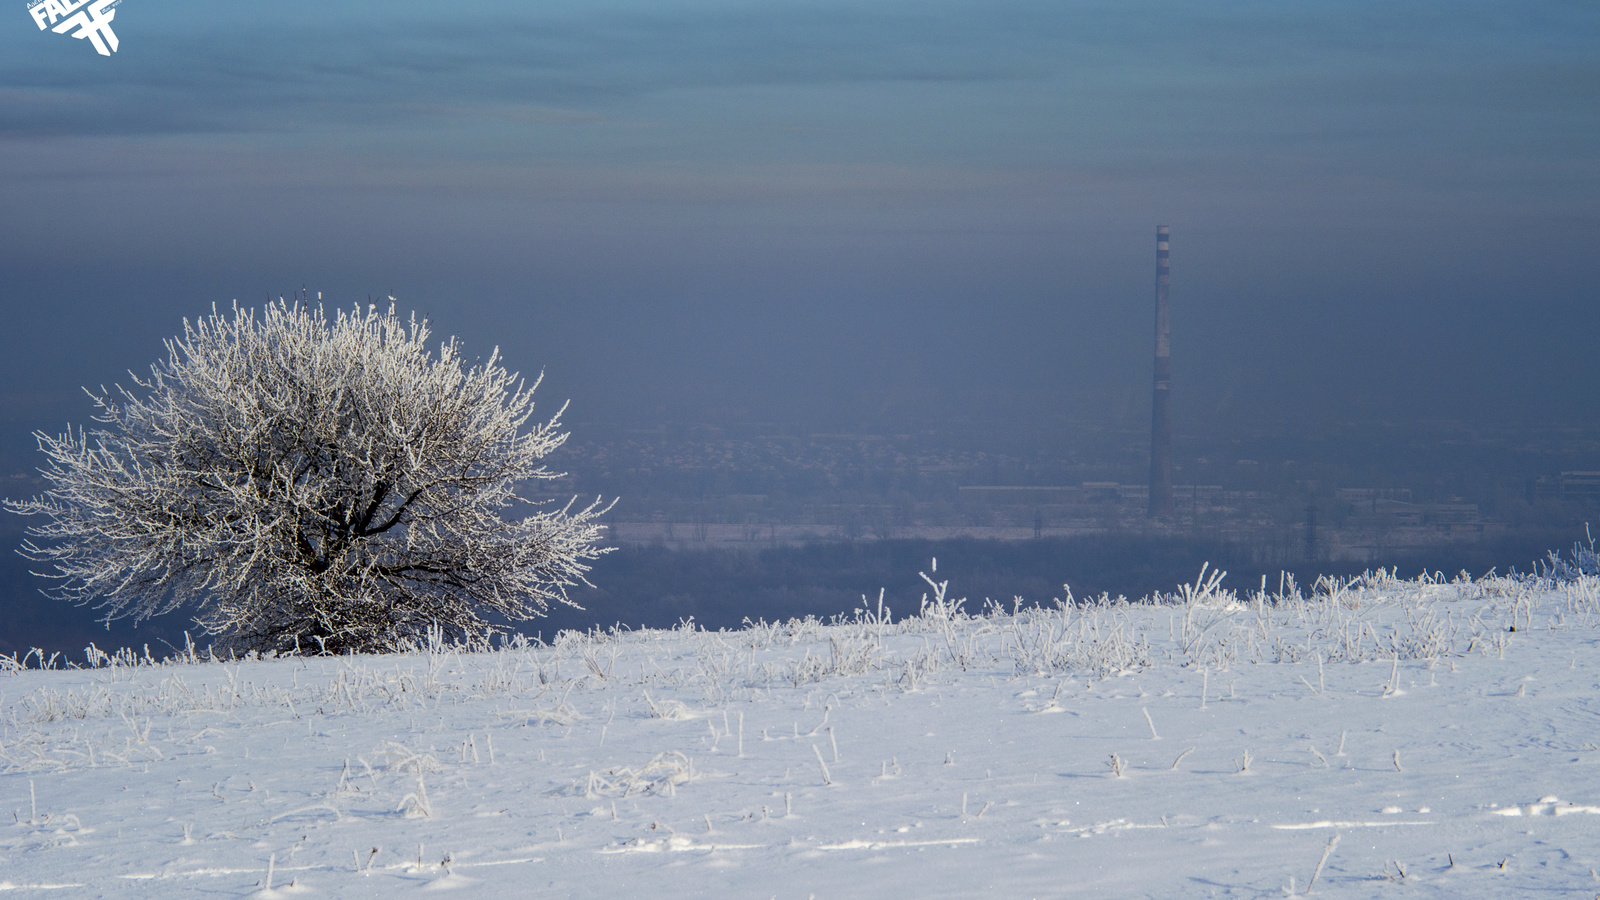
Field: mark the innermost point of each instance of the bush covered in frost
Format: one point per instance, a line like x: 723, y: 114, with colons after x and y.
x: 307, y: 483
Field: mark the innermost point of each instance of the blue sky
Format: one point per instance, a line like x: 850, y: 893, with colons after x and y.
x: 832, y: 211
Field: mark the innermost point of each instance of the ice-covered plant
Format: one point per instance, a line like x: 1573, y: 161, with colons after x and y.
x: 311, y: 483
x: 1583, y: 561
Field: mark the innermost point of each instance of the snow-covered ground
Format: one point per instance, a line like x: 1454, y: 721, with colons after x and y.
x: 1399, y: 734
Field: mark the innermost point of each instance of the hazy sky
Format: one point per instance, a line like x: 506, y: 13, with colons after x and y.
x: 834, y: 211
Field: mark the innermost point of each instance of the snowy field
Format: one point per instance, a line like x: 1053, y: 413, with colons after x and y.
x: 1387, y: 738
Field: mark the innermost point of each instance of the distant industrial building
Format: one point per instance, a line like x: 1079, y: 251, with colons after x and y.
x: 1570, y: 486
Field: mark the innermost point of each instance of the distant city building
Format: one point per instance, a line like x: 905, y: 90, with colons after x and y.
x: 1372, y: 495
x: 1579, y: 485
x: 1573, y: 486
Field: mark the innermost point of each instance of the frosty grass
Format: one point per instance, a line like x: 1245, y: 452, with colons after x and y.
x: 1385, y: 738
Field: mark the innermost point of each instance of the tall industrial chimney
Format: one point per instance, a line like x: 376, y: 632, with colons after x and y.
x: 1161, y: 412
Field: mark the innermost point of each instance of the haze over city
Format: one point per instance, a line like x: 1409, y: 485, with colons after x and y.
x: 931, y: 225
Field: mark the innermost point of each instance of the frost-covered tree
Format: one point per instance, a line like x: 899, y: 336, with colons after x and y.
x: 312, y: 484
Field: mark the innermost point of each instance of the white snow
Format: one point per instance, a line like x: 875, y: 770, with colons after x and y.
x: 1202, y: 744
